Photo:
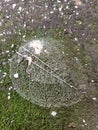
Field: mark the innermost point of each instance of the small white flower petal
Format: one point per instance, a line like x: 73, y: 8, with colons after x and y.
x: 84, y: 121
x: 53, y: 113
x: 94, y: 98
x: 75, y: 39
x: 16, y: 75
x: 9, y: 97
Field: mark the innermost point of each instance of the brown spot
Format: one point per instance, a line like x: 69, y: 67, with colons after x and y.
x: 72, y: 125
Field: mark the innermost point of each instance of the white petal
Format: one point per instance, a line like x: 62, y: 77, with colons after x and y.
x: 53, y: 113
x: 16, y: 75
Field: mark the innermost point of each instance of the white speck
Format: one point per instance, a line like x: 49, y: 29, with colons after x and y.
x: 58, y: 1
x: 9, y: 93
x: 84, y: 121
x: 76, y: 6
x: 27, y: 12
x: 18, y: 12
x: 53, y: 113
x: 46, y: 6
x: 76, y: 58
x: 24, y: 36
x: 12, y: 45
x: 9, y: 97
x: 80, y: 22
x: 9, y: 60
x: 62, y: 13
x: 16, y: 75
x: 83, y: 34
x: 7, y: 51
x: 32, y: 20
x: 51, y: 12
x: 71, y: 86
x: 1, y: 34
x: 4, y: 74
x: 7, y: 17
x: 67, y: 54
x: 82, y: 125
x: 10, y: 88
x: 44, y: 26
x: 14, y: 88
x: 60, y: 9
x: 45, y: 51
x: 12, y: 121
x: 75, y: 39
x: 92, y: 81
x: 24, y: 25
x: 94, y: 98
x: 77, y: 13
x: 54, y: 8
x: 13, y: 6
x: 45, y: 17
x: 20, y: 8
x: 78, y: 49
x: 67, y: 7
